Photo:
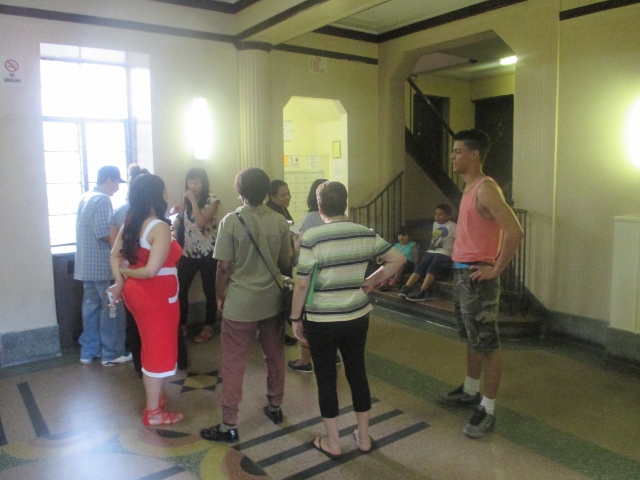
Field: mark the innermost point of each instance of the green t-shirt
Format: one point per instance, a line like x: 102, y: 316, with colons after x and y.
x: 252, y: 293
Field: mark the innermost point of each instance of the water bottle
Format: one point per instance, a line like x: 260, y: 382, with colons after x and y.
x: 112, y: 306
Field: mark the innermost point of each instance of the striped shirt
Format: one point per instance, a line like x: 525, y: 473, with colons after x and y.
x: 341, y: 251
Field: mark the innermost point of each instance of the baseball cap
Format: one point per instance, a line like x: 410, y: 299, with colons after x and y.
x: 109, y: 172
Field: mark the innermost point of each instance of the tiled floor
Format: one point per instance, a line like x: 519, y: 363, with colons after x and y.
x: 563, y: 413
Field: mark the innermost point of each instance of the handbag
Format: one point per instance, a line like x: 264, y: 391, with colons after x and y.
x: 286, y: 292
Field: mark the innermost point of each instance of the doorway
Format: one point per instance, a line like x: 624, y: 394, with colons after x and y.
x: 495, y: 117
x: 316, y: 146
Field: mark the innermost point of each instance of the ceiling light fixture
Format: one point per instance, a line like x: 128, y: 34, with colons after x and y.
x: 509, y: 60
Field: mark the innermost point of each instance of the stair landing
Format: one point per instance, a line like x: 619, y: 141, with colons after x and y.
x: 439, y: 308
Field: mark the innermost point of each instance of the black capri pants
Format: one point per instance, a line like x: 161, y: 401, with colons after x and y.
x: 325, y: 339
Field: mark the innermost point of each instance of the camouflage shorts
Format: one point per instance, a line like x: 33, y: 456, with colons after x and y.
x: 477, y: 310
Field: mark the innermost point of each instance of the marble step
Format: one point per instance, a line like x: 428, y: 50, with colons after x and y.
x: 439, y: 308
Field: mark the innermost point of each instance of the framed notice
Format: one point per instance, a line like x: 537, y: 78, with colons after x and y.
x: 335, y: 151
x: 287, y: 130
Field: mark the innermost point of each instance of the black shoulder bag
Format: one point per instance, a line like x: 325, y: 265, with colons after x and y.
x: 286, y: 294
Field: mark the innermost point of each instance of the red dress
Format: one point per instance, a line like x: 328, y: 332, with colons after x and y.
x: 154, y: 304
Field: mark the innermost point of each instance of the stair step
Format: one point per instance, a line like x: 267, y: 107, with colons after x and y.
x: 440, y: 309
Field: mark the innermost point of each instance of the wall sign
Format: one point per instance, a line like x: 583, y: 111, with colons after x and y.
x: 11, y: 73
x: 287, y: 130
x: 318, y: 64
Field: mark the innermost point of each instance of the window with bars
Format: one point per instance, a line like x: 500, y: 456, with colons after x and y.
x: 95, y: 107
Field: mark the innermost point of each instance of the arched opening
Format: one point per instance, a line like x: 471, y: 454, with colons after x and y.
x: 315, y: 146
x: 467, y: 86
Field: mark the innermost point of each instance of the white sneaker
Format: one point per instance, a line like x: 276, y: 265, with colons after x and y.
x: 127, y: 357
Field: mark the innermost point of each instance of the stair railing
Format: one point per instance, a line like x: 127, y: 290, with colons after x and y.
x: 440, y: 169
x: 513, y: 277
x: 384, y: 213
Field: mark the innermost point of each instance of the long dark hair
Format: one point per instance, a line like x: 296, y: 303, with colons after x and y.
x: 312, y: 199
x: 146, y: 196
x: 197, y: 173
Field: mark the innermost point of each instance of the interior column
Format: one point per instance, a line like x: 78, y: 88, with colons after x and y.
x: 254, y: 104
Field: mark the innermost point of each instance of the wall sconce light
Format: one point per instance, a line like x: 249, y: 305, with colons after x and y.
x: 509, y: 60
x: 632, y: 134
x: 200, y: 129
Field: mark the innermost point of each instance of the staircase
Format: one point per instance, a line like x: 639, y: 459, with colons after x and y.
x: 384, y: 215
x: 439, y: 308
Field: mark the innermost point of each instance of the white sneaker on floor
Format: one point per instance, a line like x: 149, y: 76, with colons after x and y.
x: 127, y: 357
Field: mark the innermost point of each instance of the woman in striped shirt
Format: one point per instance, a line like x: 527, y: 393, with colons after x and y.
x: 336, y: 255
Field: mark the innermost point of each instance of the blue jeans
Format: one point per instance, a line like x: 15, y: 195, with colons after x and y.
x: 101, y: 336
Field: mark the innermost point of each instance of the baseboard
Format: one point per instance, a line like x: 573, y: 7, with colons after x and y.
x: 618, y: 345
x: 623, y: 345
x: 30, y: 345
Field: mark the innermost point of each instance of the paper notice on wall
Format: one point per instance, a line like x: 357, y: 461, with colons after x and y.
x: 293, y: 161
x: 336, y: 168
x: 11, y: 71
x: 287, y: 130
x: 314, y: 163
x: 318, y: 64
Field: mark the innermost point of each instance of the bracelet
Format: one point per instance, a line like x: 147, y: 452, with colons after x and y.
x: 293, y: 320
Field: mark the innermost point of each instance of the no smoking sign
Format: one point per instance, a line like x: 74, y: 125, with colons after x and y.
x: 11, y: 65
x: 11, y: 75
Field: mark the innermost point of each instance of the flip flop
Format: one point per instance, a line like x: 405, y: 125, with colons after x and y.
x: 355, y: 435
x: 318, y: 446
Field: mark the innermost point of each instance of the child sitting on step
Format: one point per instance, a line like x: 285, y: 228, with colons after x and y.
x: 410, y: 251
x: 436, y: 263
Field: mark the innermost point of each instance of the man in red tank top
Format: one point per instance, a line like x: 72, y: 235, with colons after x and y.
x: 487, y: 238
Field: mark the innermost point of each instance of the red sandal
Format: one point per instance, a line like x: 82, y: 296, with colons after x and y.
x: 151, y: 418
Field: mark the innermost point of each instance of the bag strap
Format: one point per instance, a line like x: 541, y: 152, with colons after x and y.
x: 255, y: 244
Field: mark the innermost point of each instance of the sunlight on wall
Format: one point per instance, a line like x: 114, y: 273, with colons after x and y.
x: 632, y: 134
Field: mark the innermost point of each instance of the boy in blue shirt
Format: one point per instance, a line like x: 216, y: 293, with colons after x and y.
x: 437, y: 261
x: 410, y: 250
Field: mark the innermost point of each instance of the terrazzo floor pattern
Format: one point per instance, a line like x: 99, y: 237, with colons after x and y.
x: 563, y: 413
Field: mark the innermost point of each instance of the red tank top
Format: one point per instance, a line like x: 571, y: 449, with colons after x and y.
x: 477, y: 239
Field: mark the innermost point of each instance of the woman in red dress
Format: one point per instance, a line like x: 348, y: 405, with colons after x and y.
x: 143, y: 261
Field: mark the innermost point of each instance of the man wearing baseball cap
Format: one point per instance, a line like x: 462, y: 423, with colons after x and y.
x: 102, y: 337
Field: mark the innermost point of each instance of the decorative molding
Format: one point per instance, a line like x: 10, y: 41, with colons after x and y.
x: 348, y: 33
x: 264, y: 46
x: 279, y: 18
x: 325, y: 53
x: 462, y: 13
x: 212, y: 5
x: 595, y: 8
x: 110, y: 22
x: 443, y: 19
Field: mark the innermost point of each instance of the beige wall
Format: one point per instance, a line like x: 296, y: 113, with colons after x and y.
x: 494, y: 86
x: 181, y: 69
x: 351, y: 83
x: 599, y: 81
